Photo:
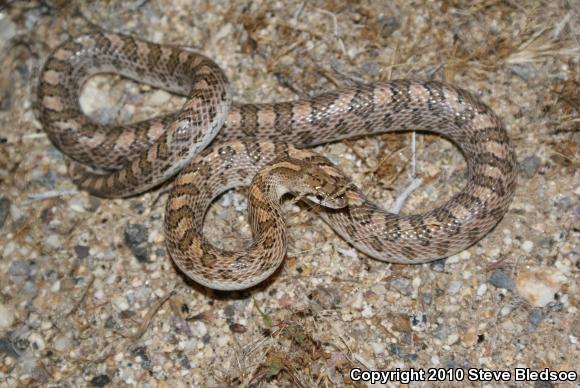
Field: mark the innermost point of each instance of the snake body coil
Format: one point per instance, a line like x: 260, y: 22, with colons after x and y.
x: 143, y: 155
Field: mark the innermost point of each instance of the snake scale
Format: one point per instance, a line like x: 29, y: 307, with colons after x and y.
x: 214, y: 144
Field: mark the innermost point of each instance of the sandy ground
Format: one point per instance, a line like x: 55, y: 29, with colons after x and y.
x: 89, y: 295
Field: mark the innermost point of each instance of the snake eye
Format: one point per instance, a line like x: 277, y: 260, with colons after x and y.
x: 319, y: 196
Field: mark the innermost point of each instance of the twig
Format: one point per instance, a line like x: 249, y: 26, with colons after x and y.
x: 83, y: 296
x: 150, y: 314
x: 51, y: 194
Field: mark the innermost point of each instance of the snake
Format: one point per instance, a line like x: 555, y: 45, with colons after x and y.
x: 214, y: 144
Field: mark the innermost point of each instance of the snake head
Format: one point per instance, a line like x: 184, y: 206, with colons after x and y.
x: 326, y: 186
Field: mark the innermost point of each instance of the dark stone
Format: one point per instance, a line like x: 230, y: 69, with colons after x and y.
x: 419, y: 321
x: 543, y: 384
x: 438, y: 265
x: 4, y: 210
x: 20, y: 270
x: 7, y: 348
x: 524, y: 70
x: 500, y: 279
x: 82, y: 251
x: 100, y: 381
x: 388, y: 24
x: 229, y: 311
x: 565, y: 203
x: 327, y: 297
x: 395, y: 350
x: 530, y: 165
x: 183, y: 360
x: 536, y: 316
x: 402, y: 285
x: 141, y: 352
x: 136, y: 239
x: 127, y: 314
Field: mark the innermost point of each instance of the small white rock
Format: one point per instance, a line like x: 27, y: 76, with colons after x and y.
x: 538, y: 286
x: 55, y: 286
x: 368, y: 312
x: 453, y: 338
x: 452, y: 259
x: 120, y: 303
x: 6, y: 316
x: 482, y: 289
x: 99, y: 294
x: 527, y: 246
x: 223, y: 340
x: 378, y: 348
x: 53, y: 241
x: 199, y: 329
x: 62, y: 342
x: 416, y: 282
x: 159, y: 97
x: 454, y: 286
x: 37, y: 340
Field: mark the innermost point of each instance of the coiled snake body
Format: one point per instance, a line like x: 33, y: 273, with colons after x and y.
x: 255, y: 143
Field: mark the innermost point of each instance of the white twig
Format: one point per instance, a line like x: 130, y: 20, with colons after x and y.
x: 298, y: 12
x: 51, y: 194
x: 402, y: 198
x: 334, y: 28
x: 414, y: 161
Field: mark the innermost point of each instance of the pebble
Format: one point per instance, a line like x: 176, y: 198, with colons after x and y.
x: 576, y: 211
x: 37, y: 340
x: 327, y: 297
x: 100, y: 381
x: 8, y: 348
x: 501, y: 279
x: 159, y: 97
x: 388, y: 24
x: 62, y: 342
x: 4, y: 210
x: 452, y: 339
x: 402, y: 285
x: 438, y: 265
x: 482, y: 289
x: 350, y: 253
x: 378, y: 348
x: 136, y: 237
x: 19, y: 271
x: 120, y: 303
x: 7, y: 28
x: 530, y: 165
x: 538, y: 286
x: 6, y: 316
x: 527, y: 246
x: 536, y: 316
x: 469, y: 338
x: 454, y: 286
x: 564, y: 203
x: 418, y: 322
x: 524, y: 70
x: 222, y: 340
x: 53, y: 241
x: 199, y: 329
x: 368, y: 312
x: 82, y: 251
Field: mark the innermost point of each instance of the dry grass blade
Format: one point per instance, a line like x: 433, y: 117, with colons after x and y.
x: 541, y: 45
